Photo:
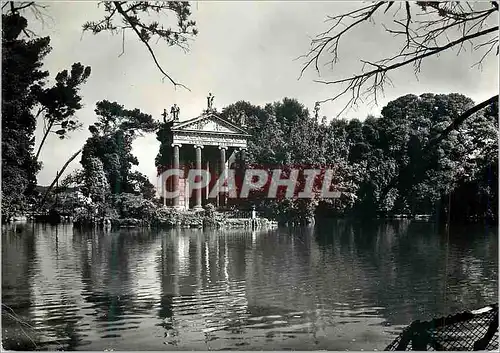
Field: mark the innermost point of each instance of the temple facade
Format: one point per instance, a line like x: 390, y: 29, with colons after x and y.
x: 206, y: 142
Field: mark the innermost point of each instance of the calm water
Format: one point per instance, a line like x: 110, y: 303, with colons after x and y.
x: 337, y: 286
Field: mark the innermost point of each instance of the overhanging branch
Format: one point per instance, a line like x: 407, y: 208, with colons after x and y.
x: 133, y: 25
x: 433, y: 51
x: 460, y: 119
x: 427, y: 32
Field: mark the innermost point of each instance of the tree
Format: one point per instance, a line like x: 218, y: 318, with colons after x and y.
x: 274, y: 124
x: 24, y: 91
x: 262, y: 125
x: 75, y: 179
x: 138, y: 17
x: 118, y: 16
x: 60, y: 102
x: 288, y: 112
x: 427, y: 29
x: 96, y: 185
x: 134, y: 206
x: 476, y: 192
x: 400, y: 173
x: 111, y: 143
x: 285, y: 136
x: 141, y: 185
x: 21, y: 76
x: 429, y: 168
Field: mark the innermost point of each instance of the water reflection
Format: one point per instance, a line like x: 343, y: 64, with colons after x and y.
x: 337, y: 286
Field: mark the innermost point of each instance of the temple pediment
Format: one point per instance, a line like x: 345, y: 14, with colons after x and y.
x: 209, y: 123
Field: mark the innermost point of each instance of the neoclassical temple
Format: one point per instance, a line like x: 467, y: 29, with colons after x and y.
x: 205, y: 142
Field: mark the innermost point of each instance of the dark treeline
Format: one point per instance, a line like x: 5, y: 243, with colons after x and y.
x: 385, y: 165
x: 27, y: 99
x: 107, y: 183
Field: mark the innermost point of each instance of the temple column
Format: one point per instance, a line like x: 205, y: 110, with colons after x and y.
x: 207, y: 189
x: 223, y: 172
x: 242, y: 157
x: 175, y: 177
x: 198, y: 168
x: 241, y: 169
x: 164, y: 189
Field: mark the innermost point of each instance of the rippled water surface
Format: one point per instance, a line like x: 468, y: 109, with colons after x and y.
x: 337, y: 286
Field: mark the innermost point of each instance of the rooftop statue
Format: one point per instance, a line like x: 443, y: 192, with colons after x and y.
x: 175, y: 110
x: 164, y: 115
x: 210, y: 102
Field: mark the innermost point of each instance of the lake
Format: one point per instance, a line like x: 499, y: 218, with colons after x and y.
x: 336, y: 286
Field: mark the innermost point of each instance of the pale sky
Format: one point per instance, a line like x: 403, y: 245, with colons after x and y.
x: 244, y: 51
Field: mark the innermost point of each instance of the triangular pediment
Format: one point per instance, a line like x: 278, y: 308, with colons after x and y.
x: 209, y: 123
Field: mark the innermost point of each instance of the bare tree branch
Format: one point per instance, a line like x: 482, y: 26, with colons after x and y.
x: 19, y: 7
x: 436, y: 28
x: 128, y: 13
x: 433, y: 51
x: 320, y: 44
x: 134, y: 26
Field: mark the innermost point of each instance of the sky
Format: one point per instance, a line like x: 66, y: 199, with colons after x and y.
x: 244, y: 51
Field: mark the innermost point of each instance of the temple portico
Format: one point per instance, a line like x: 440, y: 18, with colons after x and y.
x: 207, y: 142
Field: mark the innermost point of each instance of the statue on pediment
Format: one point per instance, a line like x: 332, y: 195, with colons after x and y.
x: 210, y: 102
x: 175, y: 112
x: 164, y: 115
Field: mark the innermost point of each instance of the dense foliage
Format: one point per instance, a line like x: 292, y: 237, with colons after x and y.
x: 60, y: 102
x: 27, y: 101
x: 21, y: 73
x: 111, y: 144
x: 106, y: 177
x: 384, y: 165
x: 24, y: 91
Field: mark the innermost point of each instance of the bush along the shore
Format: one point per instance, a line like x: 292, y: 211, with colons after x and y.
x: 122, y: 210
x: 133, y: 211
x: 289, y: 212
x: 170, y: 217
x: 213, y: 219
x: 206, y: 218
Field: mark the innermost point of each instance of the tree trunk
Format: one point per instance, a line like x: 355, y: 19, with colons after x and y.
x: 58, y: 175
x: 44, y: 135
x: 459, y: 120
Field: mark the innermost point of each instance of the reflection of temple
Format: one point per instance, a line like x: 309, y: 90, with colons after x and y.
x: 206, y: 142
